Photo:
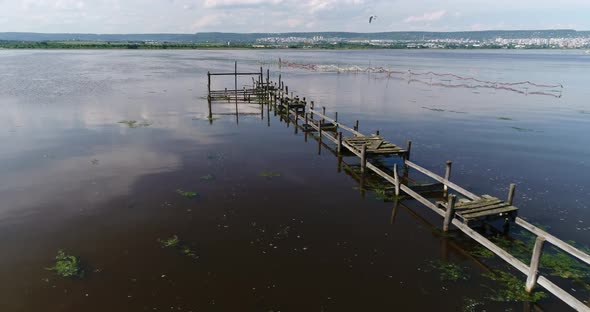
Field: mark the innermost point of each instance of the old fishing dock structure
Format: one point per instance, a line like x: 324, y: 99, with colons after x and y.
x: 462, y: 209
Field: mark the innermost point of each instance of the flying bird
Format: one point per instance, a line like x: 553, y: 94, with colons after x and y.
x: 373, y: 17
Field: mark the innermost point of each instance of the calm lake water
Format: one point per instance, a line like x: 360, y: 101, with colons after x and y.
x: 72, y: 177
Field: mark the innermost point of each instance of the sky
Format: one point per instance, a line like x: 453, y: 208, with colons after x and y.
x: 190, y: 16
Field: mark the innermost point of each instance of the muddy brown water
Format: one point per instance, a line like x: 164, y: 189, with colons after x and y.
x: 72, y: 177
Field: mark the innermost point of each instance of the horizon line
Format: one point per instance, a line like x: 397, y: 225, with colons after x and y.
x: 288, y: 32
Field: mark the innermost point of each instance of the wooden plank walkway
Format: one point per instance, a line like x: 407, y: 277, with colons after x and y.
x: 472, y: 209
x: 375, y: 144
x: 483, y: 209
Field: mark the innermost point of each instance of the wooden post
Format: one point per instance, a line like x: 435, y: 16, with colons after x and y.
x: 312, y: 105
x: 447, y: 174
x: 408, y: 150
x: 356, y: 126
x: 531, y: 280
x: 287, y: 90
x: 268, y: 78
x: 324, y: 114
x: 511, y: 193
x: 450, y: 213
x: 336, y: 116
x: 279, y: 80
x: 236, y: 79
x: 306, y: 121
x: 397, y: 182
x: 363, y: 158
x: 209, y: 82
x: 210, y: 111
x: 377, y: 132
x: 287, y: 114
x: 339, y: 143
x: 261, y: 78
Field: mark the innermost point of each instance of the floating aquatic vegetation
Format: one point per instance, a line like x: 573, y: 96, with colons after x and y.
x: 471, y: 305
x: 67, y: 265
x: 187, y: 194
x: 519, y: 129
x: 176, y: 243
x: 207, y: 178
x: 513, y: 288
x: 434, y: 109
x: 482, y: 252
x: 135, y: 123
x: 269, y: 174
x: 386, y: 195
x: 563, y: 265
x: 448, y: 271
x: 553, y: 260
x: 169, y: 242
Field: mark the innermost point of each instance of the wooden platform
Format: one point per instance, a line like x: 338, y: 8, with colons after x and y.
x: 485, y: 208
x: 375, y: 145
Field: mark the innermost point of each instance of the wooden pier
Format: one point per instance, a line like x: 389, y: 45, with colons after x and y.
x: 462, y: 209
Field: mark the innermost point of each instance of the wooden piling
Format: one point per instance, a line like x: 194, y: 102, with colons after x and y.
x: 531, y: 280
x: 209, y: 82
x: 363, y: 158
x: 447, y: 174
x: 511, y: 193
x: 450, y: 212
x: 210, y: 110
x: 236, y: 78
x: 356, y: 126
x: 408, y: 150
x: 324, y: 114
x: 339, y: 143
x: 312, y: 107
x: 397, y: 181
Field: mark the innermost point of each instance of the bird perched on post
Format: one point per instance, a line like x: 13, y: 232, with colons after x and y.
x: 371, y: 18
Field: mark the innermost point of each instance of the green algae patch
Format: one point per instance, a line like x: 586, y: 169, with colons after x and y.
x: 175, y: 243
x: 512, y: 290
x: 67, y: 265
x: 449, y: 272
x: 172, y: 241
x: 187, y: 194
x: 481, y: 252
x: 471, y: 305
x: 135, y: 123
x: 207, y: 178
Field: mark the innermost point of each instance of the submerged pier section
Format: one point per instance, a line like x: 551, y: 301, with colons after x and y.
x: 463, y: 209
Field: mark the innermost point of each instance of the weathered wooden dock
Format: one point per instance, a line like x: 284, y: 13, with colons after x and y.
x: 462, y: 209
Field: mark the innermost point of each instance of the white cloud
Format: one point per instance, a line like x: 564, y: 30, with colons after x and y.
x: 238, y: 3
x: 426, y: 17
x: 185, y: 16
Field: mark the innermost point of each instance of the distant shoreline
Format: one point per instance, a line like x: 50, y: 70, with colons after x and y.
x: 74, y: 45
